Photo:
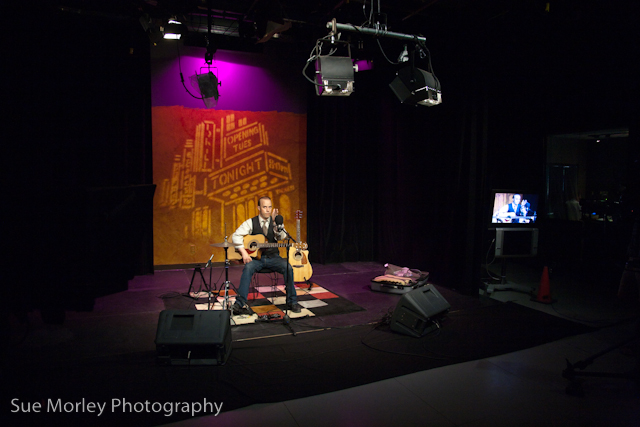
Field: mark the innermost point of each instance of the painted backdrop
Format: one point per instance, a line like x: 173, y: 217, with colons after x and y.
x: 212, y: 166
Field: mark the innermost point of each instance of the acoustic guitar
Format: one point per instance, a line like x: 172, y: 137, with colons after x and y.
x: 299, y: 256
x: 254, y: 244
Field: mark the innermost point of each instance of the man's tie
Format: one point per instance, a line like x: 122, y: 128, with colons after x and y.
x: 265, y: 229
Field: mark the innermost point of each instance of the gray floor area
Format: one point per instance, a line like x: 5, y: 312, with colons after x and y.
x: 525, y: 388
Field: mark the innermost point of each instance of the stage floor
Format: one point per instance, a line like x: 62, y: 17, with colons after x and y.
x: 109, y: 353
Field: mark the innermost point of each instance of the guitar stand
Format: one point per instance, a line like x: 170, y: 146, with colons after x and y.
x: 308, y: 282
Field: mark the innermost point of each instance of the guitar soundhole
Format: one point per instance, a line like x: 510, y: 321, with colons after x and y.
x: 297, y: 256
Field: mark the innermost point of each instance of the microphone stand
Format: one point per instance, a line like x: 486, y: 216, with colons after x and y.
x: 286, y: 319
x: 208, y: 265
x: 288, y: 235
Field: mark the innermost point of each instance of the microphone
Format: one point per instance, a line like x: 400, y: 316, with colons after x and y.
x: 209, y: 262
x: 279, y: 223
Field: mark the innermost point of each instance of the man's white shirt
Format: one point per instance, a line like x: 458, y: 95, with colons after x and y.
x: 247, y: 228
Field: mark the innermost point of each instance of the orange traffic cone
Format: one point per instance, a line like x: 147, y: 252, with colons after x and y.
x: 544, y: 293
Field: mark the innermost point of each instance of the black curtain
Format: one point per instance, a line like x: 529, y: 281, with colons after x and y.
x: 80, y: 200
x: 410, y: 185
x: 396, y: 183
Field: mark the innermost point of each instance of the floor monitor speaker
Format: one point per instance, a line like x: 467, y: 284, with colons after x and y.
x: 418, y: 311
x: 192, y: 337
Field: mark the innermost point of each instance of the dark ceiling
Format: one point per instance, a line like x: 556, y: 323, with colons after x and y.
x: 354, y: 11
x: 309, y: 18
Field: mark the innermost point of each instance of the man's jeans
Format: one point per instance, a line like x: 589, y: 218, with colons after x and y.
x: 275, y: 263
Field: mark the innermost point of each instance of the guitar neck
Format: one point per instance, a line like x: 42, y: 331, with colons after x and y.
x: 271, y: 245
x: 298, y: 218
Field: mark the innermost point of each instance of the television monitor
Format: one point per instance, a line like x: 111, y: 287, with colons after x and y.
x: 519, y: 208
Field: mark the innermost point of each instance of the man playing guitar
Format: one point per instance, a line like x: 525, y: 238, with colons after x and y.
x: 516, y: 211
x: 263, y: 223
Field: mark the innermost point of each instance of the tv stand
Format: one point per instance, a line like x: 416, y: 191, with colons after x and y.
x: 505, y: 285
x: 516, y: 242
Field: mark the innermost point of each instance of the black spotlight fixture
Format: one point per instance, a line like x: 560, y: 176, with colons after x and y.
x: 334, y: 75
x: 207, y: 85
x: 415, y: 86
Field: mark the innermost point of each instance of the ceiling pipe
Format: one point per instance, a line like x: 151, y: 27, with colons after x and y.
x: 373, y: 31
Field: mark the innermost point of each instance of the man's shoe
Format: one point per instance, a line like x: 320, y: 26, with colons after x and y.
x: 238, y: 309
x: 295, y: 307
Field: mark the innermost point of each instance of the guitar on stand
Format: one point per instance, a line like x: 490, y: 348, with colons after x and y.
x: 299, y: 257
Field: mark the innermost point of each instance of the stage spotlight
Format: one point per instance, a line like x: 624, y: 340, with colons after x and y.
x: 207, y: 84
x: 274, y: 29
x: 415, y: 86
x: 173, y: 30
x: 334, y: 76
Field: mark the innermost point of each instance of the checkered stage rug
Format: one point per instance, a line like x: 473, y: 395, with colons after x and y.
x: 269, y: 302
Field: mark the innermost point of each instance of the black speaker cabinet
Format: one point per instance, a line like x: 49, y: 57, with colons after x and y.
x: 417, y: 311
x: 191, y: 337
